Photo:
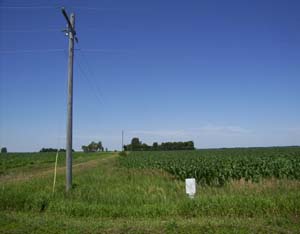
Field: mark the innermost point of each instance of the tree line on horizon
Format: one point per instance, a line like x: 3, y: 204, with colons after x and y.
x: 45, y: 150
x: 137, y: 145
x: 93, y: 147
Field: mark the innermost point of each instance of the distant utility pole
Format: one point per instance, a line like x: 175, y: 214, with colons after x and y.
x: 70, y: 32
x: 122, y: 140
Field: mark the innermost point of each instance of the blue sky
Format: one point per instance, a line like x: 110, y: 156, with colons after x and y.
x: 221, y: 73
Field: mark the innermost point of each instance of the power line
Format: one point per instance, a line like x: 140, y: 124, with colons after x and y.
x: 93, y: 87
x: 90, y: 70
x: 28, y: 7
x: 96, y: 8
x: 56, y: 7
x: 13, y: 51
x: 48, y: 30
x: 30, y: 30
x: 30, y: 51
x: 104, y: 51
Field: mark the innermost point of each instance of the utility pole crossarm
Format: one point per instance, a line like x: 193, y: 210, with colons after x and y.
x: 68, y: 20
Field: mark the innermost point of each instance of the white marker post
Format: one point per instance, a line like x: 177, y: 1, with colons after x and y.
x: 190, y: 187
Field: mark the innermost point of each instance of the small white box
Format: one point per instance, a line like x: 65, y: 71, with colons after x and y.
x: 190, y: 187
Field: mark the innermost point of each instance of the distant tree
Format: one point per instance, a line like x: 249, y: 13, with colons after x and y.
x: 135, y: 141
x: 145, y: 147
x: 106, y: 149
x: 155, y: 146
x: 190, y: 145
x: 45, y: 150
x: 93, y: 147
x: 3, y: 150
x: 100, y: 147
x: 85, y: 148
x: 135, y: 144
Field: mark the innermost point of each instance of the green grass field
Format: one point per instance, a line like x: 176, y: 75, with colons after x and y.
x: 109, y: 197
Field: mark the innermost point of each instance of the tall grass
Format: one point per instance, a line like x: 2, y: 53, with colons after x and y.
x: 111, y: 191
x: 146, y: 201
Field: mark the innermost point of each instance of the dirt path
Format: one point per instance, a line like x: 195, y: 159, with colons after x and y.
x: 24, y: 176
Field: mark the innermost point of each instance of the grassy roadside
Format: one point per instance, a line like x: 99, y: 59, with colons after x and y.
x: 13, y: 222
x: 24, y: 166
x: 108, y: 198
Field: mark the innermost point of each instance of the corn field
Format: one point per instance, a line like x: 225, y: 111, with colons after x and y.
x: 218, y: 166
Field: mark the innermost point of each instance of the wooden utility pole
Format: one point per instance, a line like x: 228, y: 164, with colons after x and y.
x: 70, y: 32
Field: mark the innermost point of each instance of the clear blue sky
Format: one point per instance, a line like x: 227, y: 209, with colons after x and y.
x: 221, y: 73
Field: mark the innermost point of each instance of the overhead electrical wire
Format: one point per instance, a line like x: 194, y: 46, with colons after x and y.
x: 31, y: 51
x: 92, y: 85
x: 105, y: 51
x: 91, y: 71
x: 29, y: 31
x: 56, y: 7
x: 28, y: 7
x: 96, y: 8
x: 10, y: 51
x: 98, y: 92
